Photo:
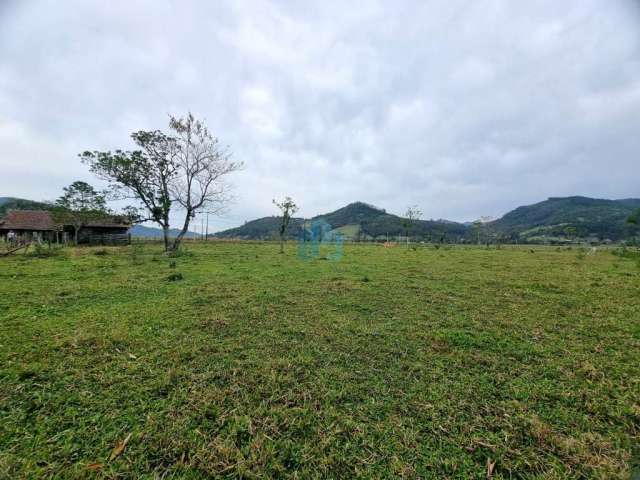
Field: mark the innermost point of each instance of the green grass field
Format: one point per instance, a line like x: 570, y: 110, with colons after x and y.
x: 391, y: 363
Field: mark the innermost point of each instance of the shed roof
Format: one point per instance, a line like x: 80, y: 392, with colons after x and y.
x: 28, y: 220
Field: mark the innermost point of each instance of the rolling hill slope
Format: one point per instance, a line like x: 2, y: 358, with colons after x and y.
x: 357, y: 220
x: 584, y: 217
x: 10, y: 203
x: 545, y: 221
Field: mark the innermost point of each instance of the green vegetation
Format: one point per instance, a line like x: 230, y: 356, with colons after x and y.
x: 10, y: 203
x: 556, y: 220
x: 230, y: 360
x: 348, y: 231
x: 80, y: 205
x: 569, y: 217
x: 366, y: 221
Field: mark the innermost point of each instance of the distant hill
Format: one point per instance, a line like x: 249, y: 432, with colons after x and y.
x: 543, y: 222
x: 583, y: 217
x: 265, y: 228
x: 142, y: 231
x: 10, y: 203
x: 357, y: 220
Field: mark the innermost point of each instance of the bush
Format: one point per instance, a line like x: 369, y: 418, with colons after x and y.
x: 41, y: 251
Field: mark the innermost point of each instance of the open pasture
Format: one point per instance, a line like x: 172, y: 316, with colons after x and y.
x: 231, y: 360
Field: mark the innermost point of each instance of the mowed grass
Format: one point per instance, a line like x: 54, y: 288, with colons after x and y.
x: 392, y: 363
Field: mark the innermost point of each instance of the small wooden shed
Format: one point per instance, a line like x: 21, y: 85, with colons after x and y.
x: 36, y: 225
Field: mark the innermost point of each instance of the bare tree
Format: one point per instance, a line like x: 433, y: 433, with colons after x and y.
x: 288, y: 208
x: 412, y: 215
x: 201, y: 164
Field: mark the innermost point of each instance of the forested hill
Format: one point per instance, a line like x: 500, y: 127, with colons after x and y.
x: 579, y: 217
x: 357, y: 220
x: 553, y: 220
x: 10, y: 203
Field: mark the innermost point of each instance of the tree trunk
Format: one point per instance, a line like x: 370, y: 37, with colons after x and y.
x: 76, y: 230
x: 281, y: 243
x: 185, y: 229
x: 165, y: 235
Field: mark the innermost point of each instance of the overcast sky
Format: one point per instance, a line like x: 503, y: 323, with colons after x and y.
x: 465, y: 108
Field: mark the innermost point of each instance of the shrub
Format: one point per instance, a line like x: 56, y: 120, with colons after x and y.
x: 40, y: 251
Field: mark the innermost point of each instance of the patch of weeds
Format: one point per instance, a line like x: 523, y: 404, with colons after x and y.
x: 168, y: 383
x: 135, y: 254
x: 624, y: 252
x: 213, y: 320
x: 27, y: 374
x: 41, y: 251
x: 172, y: 264
x: 101, y: 252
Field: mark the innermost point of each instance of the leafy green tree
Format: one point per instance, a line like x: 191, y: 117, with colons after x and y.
x: 79, y: 205
x: 142, y: 175
x: 288, y: 209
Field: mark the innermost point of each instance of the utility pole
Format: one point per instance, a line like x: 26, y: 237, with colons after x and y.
x: 206, y: 235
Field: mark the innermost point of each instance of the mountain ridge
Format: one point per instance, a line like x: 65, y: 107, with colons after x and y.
x: 551, y: 220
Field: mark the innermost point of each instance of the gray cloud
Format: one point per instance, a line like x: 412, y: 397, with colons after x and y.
x: 464, y: 108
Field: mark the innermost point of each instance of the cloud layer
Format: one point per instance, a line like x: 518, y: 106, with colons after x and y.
x: 463, y: 108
